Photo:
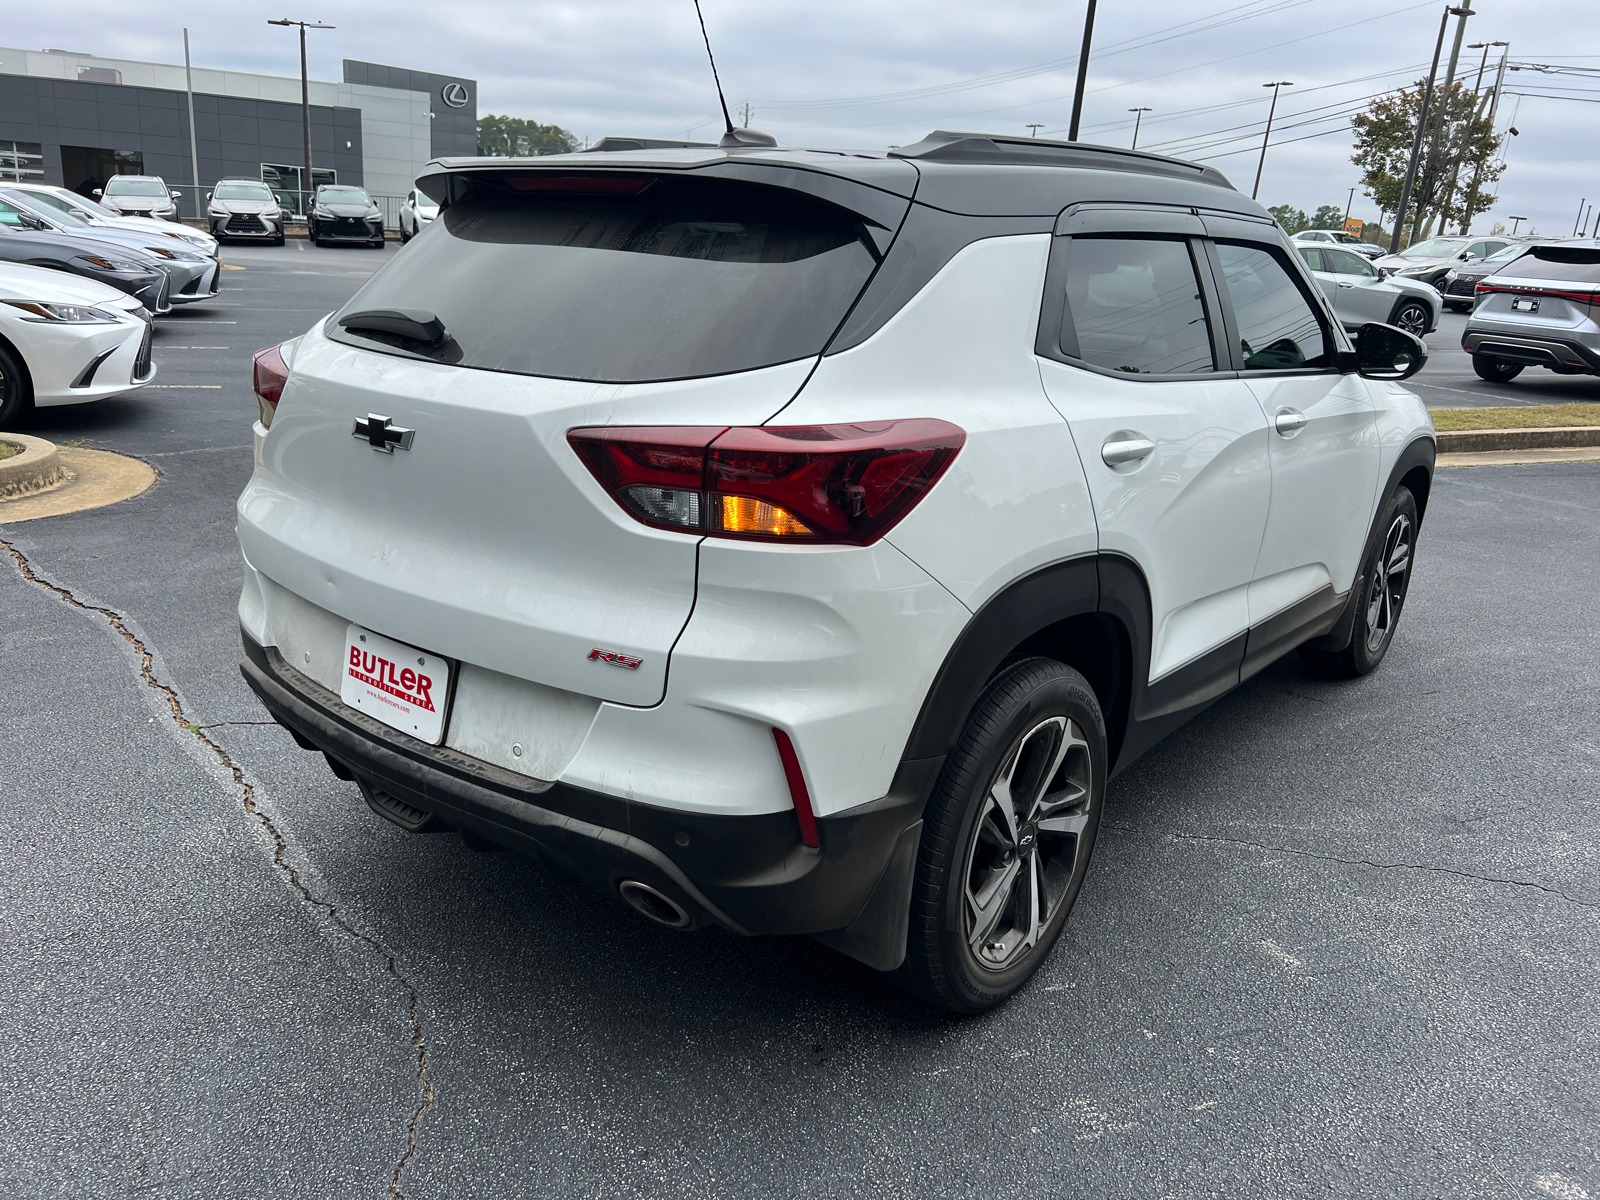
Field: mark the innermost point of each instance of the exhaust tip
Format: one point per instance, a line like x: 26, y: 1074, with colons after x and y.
x: 660, y: 908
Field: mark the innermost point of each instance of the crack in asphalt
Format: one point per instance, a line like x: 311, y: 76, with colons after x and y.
x: 1356, y: 862
x: 280, y: 845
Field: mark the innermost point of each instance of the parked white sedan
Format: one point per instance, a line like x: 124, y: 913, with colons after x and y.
x: 1361, y: 292
x: 67, y: 340
x: 416, y: 210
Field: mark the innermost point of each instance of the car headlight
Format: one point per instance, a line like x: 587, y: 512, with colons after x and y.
x: 320, y: 212
x: 174, y: 255
x: 374, y: 211
x: 115, y: 264
x: 217, y: 212
x: 64, y: 314
x: 273, y: 214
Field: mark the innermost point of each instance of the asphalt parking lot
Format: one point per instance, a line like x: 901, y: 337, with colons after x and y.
x: 1340, y: 939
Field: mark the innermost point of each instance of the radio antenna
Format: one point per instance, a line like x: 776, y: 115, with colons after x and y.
x: 714, y: 77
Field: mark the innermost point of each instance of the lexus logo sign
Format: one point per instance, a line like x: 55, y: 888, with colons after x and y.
x: 455, y: 95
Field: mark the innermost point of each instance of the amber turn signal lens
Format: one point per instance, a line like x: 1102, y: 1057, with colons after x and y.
x: 742, y: 514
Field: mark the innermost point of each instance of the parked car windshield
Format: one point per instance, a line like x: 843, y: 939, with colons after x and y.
x: 1573, y: 264
x: 1434, y: 248
x: 342, y: 195
x: 242, y: 191
x: 136, y: 187
x: 684, y: 278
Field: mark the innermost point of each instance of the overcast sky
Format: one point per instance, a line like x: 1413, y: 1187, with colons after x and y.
x: 873, y: 73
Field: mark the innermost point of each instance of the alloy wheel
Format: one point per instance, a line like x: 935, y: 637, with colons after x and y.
x: 1386, y: 587
x: 1413, y: 318
x: 1026, y: 844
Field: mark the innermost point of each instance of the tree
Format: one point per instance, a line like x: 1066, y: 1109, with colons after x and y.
x: 1456, y: 159
x: 516, y: 137
x: 1291, y: 218
x: 1328, y: 216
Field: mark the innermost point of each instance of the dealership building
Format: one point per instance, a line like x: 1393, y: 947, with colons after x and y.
x: 77, y: 119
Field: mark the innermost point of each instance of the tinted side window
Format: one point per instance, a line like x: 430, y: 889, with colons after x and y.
x: 1278, y: 328
x: 1134, y: 305
x: 1342, y: 262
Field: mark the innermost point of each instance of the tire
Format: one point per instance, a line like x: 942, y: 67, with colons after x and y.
x: 1036, y: 718
x: 1413, y: 316
x: 1495, y: 370
x: 16, y: 391
x: 1380, y: 593
x: 1455, y: 307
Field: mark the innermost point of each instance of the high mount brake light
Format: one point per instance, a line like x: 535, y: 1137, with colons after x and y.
x: 596, y: 181
x: 269, y: 373
x: 812, y: 484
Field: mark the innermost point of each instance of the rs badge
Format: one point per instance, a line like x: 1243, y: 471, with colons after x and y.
x: 615, y: 659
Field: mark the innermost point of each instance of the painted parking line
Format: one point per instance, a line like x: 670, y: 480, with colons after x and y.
x: 165, y: 347
x: 185, y: 387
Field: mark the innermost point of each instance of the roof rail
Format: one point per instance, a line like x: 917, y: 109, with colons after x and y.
x: 607, y: 144
x: 994, y: 149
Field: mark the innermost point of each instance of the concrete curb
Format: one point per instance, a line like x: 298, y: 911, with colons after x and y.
x: 1478, y: 441
x: 38, y: 466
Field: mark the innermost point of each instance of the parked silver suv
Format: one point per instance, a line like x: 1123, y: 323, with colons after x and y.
x: 1540, y: 310
x: 139, y: 196
x: 244, y: 208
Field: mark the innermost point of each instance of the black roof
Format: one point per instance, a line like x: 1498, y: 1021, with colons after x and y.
x: 974, y: 174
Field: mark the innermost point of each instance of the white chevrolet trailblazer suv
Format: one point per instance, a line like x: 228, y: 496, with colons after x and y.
x: 797, y: 541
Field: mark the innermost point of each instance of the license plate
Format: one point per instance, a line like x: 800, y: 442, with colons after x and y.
x: 1525, y: 304
x: 401, y: 686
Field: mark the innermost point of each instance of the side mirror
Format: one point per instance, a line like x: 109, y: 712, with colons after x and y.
x: 1385, y: 272
x: 1467, y: 256
x: 176, y: 195
x: 98, y: 192
x: 1385, y: 352
x: 208, y: 195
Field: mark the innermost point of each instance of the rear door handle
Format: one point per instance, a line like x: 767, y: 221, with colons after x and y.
x: 1124, y: 446
x: 1289, y: 421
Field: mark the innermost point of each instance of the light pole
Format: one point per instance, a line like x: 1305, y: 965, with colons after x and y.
x: 1416, y: 141
x: 305, y: 103
x: 1138, y: 115
x: 1515, y: 221
x: 1494, y: 105
x: 1282, y: 83
x: 1035, y: 126
x: 1348, y: 204
x: 194, y: 151
x: 1083, y: 71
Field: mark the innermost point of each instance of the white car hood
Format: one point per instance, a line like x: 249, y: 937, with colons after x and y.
x: 20, y: 282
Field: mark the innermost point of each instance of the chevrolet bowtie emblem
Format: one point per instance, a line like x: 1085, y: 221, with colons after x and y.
x: 381, y: 435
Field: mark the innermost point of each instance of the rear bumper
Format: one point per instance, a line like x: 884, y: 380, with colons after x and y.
x: 749, y: 874
x: 1534, y: 349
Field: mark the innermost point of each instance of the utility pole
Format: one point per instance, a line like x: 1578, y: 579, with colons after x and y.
x: 194, y: 151
x: 305, y: 105
x: 1271, y: 112
x: 745, y: 112
x: 1494, y: 109
x: 1138, y: 115
x: 1349, y: 204
x: 1436, y: 151
x: 1035, y: 126
x: 1083, y: 71
x: 1416, y: 141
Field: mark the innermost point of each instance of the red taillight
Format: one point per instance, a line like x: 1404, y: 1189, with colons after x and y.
x: 845, y: 484
x: 1576, y: 297
x: 797, y: 789
x: 269, y: 373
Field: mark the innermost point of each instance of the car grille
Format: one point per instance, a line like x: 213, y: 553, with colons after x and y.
x: 350, y: 225
x: 1462, y: 287
x: 245, y: 223
x: 141, y: 361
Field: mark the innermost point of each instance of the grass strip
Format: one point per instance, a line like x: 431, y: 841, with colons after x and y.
x: 1540, y: 416
x: 9, y: 450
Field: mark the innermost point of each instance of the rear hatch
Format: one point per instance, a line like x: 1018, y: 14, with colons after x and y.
x: 540, y: 302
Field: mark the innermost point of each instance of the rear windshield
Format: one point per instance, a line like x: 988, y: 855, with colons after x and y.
x: 136, y: 187
x: 1573, y: 264
x: 683, y: 278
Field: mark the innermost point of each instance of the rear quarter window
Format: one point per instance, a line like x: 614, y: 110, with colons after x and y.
x: 684, y: 278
